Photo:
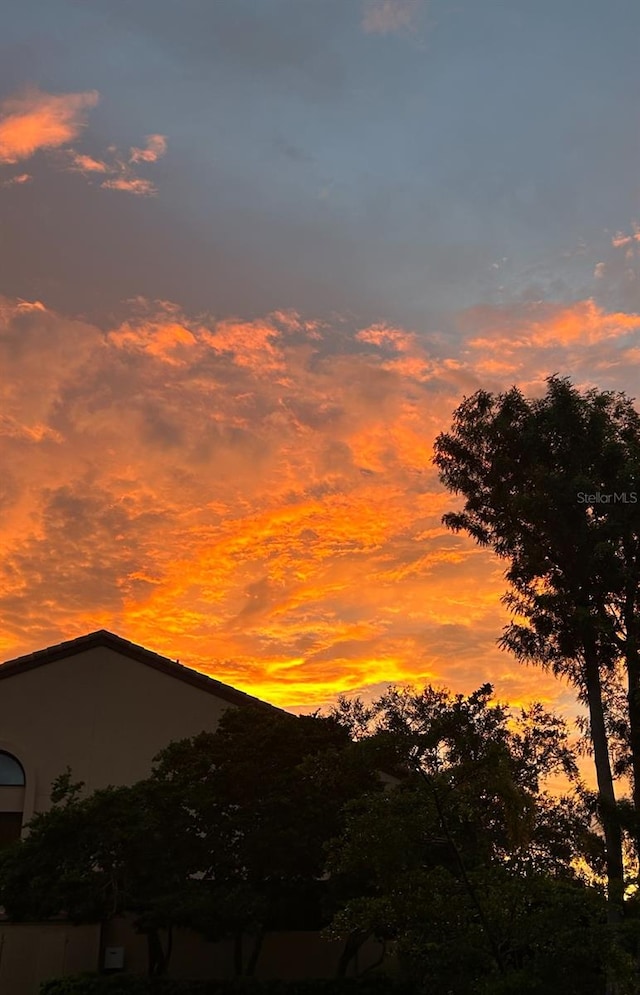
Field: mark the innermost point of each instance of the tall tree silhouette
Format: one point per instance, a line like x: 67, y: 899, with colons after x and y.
x: 549, y: 484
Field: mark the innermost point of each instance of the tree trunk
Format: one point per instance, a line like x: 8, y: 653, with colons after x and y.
x: 158, y: 960
x: 377, y: 962
x: 606, y: 791
x: 255, y: 953
x: 169, y: 947
x: 632, y: 660
x: 238, y: 964
x: 351, y: 947
x: 606, y: 795
x: 486, y: 925
x: 632, y: 655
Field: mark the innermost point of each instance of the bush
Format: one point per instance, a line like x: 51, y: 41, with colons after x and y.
x: 129, y: 984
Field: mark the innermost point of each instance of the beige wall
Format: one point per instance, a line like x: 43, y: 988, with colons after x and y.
x: 11, y: 798
x: 284, y: 955
x: 34, y: 952
x: 103, y: 714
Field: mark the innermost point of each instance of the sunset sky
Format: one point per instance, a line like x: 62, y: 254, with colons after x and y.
x: 253, y: 254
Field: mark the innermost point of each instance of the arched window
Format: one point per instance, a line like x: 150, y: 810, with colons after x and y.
x: 12, y: 789
x: 11, y: 772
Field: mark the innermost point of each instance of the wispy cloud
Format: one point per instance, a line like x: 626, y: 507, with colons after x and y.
x: 155, y: 148
x: 131, y: 184
x: 383, y: 17
x: 622, y: 238
x: 87, y: 164
x: 17, y: 180
x: 118, y: 173
x: 35, y: 120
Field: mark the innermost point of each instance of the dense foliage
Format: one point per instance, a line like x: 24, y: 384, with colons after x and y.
x: 469, y: 866
x: 225, y: 837
x: 132, y: 985
x: 475, y: 878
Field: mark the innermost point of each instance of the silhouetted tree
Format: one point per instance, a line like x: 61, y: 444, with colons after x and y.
x: 528, y: 470
x: 226, y: 836
x: 469, y: 867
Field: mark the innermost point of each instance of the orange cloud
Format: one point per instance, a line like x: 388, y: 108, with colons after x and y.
x: 155, y: 148
x: 131, y: 184
x: 87, y: 164
x: 621, y: 238
x: 162, y: 340
x: 17, y: 180
x: 118, y: 173
x: 382, y: 335
x: 249, y: 498
x: 251, y: 344
x: 37, y: 120
x: 544, y: 325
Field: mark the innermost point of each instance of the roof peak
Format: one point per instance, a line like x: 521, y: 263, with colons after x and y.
x: 104, y: 637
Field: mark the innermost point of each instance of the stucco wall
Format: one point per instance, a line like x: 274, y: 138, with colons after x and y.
x: 102, y: 713
x: 34, y: 952
x: 285, y: 955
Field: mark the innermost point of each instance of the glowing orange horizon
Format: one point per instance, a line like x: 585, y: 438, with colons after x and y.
x: 232, y: 494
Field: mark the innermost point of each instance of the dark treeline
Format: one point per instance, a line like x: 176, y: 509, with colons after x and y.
x: 421, y: 820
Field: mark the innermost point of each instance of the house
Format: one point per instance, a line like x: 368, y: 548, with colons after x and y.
x: 104, y: 707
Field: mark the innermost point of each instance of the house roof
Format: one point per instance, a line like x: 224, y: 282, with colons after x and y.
x: 103, y: 638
